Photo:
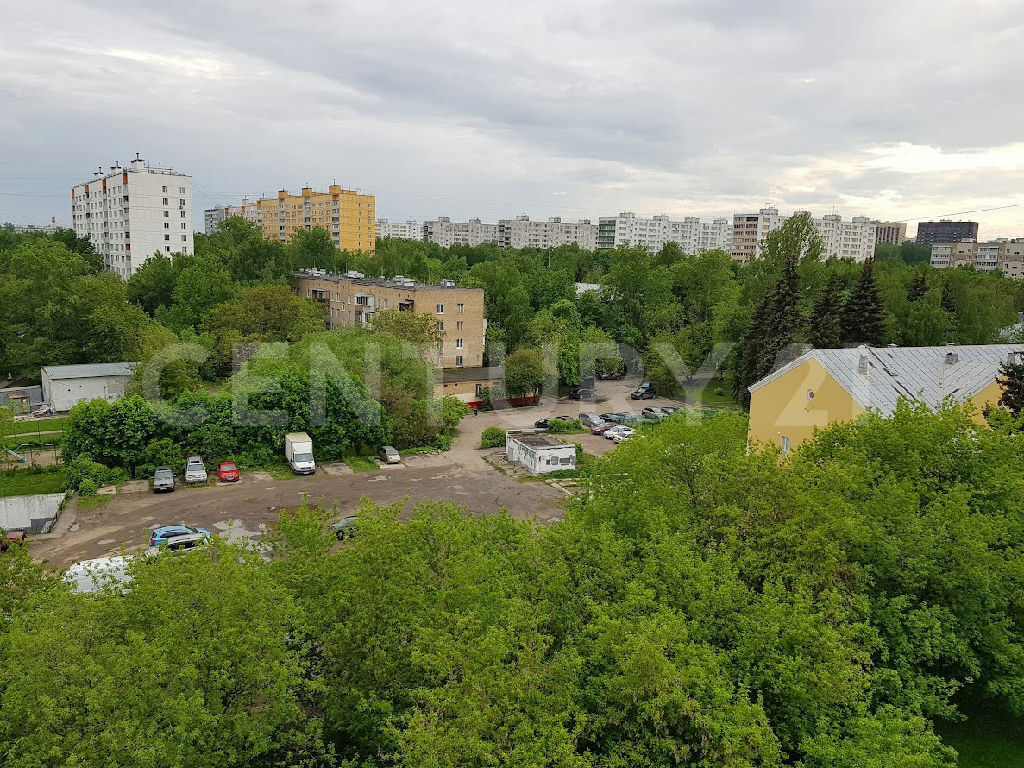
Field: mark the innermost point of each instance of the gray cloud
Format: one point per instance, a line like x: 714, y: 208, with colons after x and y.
x: 571, y: 108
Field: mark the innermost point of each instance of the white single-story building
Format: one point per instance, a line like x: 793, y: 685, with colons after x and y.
x: 539, y: 452
x: 64, y: 386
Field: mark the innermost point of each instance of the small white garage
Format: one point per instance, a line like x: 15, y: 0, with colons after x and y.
x: 66, y: 385
x: 539, y: 452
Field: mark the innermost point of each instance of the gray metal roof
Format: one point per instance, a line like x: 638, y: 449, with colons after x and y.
x: 457, y: 375
x: 88, y: 370
x: 926, y: 374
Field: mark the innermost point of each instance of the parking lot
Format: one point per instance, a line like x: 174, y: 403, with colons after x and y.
x: 238, y: 510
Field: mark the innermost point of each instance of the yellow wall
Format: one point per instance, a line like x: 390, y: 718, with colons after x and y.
x: 282, y: 216
x: 782, y: 409
x: 988, y: 396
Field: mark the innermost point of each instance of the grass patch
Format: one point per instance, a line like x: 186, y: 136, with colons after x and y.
x: 361, y: 463
x: 415, y: 451
x: 36, y: 425
x: 24, y: 482
x: 716, y: 395
x: 989, y: 738
x: 91, y: 502
x: 35, y: 441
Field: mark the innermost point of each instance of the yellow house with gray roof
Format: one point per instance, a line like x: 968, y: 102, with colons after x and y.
x: 826, y: 385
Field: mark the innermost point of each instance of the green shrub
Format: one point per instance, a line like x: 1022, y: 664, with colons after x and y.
x: 144, y: 471
x: 444, y: 442
x: 83, y: 468
x: 258, y: 457
x: 560, y: 426
x: 492, y: 437
x: 88, y: 487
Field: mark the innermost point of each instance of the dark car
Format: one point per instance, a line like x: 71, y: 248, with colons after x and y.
x: 346, y: 527
x: 646, y: 391
x: 543, y: 423
x: 603, y: 427
x: 581, y: 393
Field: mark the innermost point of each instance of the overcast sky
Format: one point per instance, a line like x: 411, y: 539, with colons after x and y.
x: 897, y: 109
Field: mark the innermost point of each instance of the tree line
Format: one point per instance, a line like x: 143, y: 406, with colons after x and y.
x: 702, y: 603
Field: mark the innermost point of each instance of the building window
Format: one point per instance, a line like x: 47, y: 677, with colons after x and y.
x: 785, y: 445
x: 460, y: 308
x: 166, y: 214
x: 458, y: 361
x: 440, y: 326
x: 165, y: 199
x: 167, y: 237
x: 458, y: 325
x: 479, y: 388
x: 182, y: 214
x: 440, y: 309
x: 184, y: 239
x: 167, y: 225
x: 163, y: 189
x: 458, y: 343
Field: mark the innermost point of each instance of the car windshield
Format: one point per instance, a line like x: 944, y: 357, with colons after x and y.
x: 163, y: 474
x: 303, y: 457
x: 228, y: 467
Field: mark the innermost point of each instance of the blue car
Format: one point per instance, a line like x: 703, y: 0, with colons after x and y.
x: 164, y: 532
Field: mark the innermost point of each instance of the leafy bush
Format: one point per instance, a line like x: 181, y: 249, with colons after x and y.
x: 492, y: 437
x: 88, y: 487
x: 82, y: 469
x: 444, y: 442
x: 144, y: 471
x: 565, y: 427
x: 257, y: 457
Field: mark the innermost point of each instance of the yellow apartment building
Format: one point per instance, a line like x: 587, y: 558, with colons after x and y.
x: 346, y: 215
x: 353, y: 298
x: 826, y: 385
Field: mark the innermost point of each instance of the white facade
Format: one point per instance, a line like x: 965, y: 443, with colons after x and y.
x: 854, y: 239
x: 64, y: 386
x: 403, y: 230
x: 520, y: 232
x: 539, y: 452
x: 212, y: 217
x: 691, y: 233
x: 447, y: 233
x: 131, y: 213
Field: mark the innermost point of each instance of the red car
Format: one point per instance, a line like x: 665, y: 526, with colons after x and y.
x: 227, y: 472
x: 603, y: 427
x: 11, y: 537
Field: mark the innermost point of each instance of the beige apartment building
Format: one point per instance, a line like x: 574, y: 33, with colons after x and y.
x: 1006, y: 256
x: 890, y: 232
x: 346, y: 215
x: 352, y: 300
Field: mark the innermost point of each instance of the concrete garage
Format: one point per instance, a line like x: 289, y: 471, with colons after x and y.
x: 539, y: 452
x: 64, y: 386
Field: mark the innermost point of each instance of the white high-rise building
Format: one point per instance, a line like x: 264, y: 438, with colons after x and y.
x: 247, y: 209
x: 691, y: 233
x: 854, y: 239
x: 404, y: 230
x: 520, y: 232
x: 131, y: 213
x: 447, y: 233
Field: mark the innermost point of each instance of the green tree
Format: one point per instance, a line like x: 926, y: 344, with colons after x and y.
x: 152, y: 284
x: 864, y: 314
x: 918, y: 287
x: 826, y: 325
x: 524, y: 372
x: 314, y: 248
x: 413, y: 327
x: 1011, y: 379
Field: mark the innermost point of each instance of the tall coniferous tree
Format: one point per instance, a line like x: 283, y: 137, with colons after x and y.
x: 918, y: 287
x: 1011, y: 379
x: 864, y: 313
x: 826, y: 326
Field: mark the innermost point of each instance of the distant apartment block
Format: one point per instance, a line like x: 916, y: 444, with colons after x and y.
x: 1006, y: 256
x: 691, y: 234
x: 890, y: 232
x: 130, y: 213
x: 41, y: 229
x: 946, y: 231
x: 347, y: 215
x: 213, y: 217
x: 403, y: 230
x: 854, y: 239
x: 352, y: 299
x: 447, y: 233
x: 520, y: 232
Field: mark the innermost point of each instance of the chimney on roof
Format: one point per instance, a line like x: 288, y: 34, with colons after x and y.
x: 952, y: 358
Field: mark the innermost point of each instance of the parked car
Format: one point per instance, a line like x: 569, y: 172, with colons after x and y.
x: 346, y: 527
x: 653, y: 413
x: 93, y: 575
x: 618, y: 429
x: 621, y: 437
x: 163, y: 480
x: 179, y: 544
x: 581, y: 393
x: 543, y: 423
x: 646, y: 391
x: 603, y: 427
x: 298, y: 450
x: 11, y: 538
x: 227, y: 472
x: 590, y: 420
x: 389, y: 455
x: 195, y: 471
x: 164, y: 532
x: 623, y: 417
x: 610, y: 416
x: 670, y: 409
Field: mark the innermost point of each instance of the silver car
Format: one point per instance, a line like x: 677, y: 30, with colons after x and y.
x: 163, y: 479
x: 195, y: 471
